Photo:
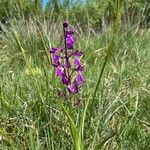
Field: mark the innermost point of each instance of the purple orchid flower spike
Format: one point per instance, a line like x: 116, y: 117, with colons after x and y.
x: 67, y: 62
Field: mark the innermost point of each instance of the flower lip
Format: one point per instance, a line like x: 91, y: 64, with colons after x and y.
x: 65, y: 79
x: 77, y: 62
x: 72, y: 89
x: 76, y: 53
x: 59, y: 71
x: 56, y: 61
x: 52, y: 50
x: 80, y: 78
x: 55, y: 50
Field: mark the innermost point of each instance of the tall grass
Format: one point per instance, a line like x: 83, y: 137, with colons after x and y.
x: 30, y: 116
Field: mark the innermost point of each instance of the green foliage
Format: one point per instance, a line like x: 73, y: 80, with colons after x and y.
x: 14, y: 9
x: 98, y: 13
x: 30, y: 116
x: 19, y: 8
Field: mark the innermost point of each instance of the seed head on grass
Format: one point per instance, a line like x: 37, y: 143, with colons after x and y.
x: 67, y: 63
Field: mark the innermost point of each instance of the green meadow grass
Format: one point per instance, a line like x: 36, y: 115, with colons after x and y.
x: 30, y: 110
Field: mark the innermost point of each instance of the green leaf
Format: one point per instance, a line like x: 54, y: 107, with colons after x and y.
x: 73, y: 129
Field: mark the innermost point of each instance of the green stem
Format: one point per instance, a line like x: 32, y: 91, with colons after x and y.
x: 73, y: 129
x: 108, y: 51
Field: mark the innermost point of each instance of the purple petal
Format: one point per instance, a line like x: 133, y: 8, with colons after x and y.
x: 52, y: 50
x: 68, y: 65
x: 55, y: 50
x: 56, y: 60
x: 59, y: 71
x: 75, y: 53
x: 80, y: 78
x: 70, y: 40
x: 75, y: 88
x: 72, y: 89
x: 65, y: 80
x: 78, y: 53
x: 77, y: 62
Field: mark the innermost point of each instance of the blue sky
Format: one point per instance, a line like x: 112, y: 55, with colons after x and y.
x: 44, y: 2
